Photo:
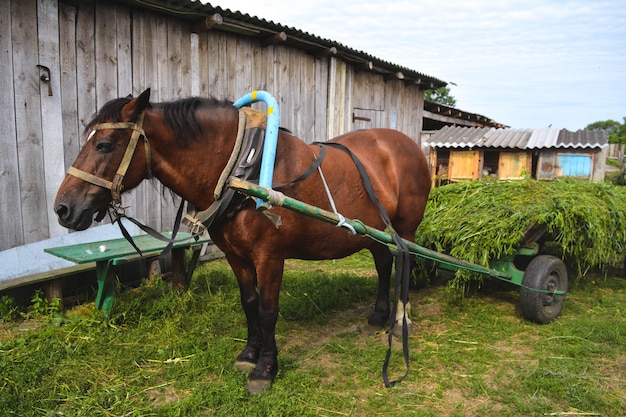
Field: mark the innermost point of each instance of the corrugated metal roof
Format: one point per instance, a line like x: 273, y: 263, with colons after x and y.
x: 235, y: 21
x: 541, y: 138
x: 544, y: 137
x: 483, y: 137
x: 582, y: 139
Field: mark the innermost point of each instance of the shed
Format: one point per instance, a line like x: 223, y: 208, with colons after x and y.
x: 63, y: 59
x: 465, y: 153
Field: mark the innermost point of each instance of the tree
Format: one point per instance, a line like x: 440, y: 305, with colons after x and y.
x: 615, y: 130
x: 441, y: 96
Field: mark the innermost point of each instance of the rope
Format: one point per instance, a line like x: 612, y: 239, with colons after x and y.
x: 342, y: 220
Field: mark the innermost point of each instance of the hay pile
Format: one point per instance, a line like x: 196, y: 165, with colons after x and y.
x: 482, y: 221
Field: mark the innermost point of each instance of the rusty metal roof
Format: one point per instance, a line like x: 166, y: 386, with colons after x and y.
x: 541, y: 138
x: 204, y: 17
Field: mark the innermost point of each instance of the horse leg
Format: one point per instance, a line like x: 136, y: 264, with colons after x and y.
x: 246, y: 277
x: 269, y: 275
x: 383, y: 259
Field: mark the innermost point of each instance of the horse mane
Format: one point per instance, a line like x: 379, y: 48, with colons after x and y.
x: 110, y: 111
x: 179, y: 114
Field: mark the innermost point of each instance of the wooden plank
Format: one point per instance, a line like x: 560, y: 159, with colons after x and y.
x: 28, y: 122
x: 139, y: 53
x: 174, y: 54
x: 320, y: 99
x: 512, y: 165
x: 307, y: 97
x: 85, y: 69
x: 186, y: 81
x: 243, y: 73
x: 284, y: 93
x: 51, y: 113
x: 260, y: 68
x: 332, y: 98
x: 138, y: 74
x: 294, y: 85
x: 463, y: 165
x: 149, y: 48
x: 124, y: 65
x: 203, y: 65
x: 230, y: 68
x: 69, y: 95
x: 214, y: 44
x: 45, y: 276
x: 194, y: 63
x: 546, y: 164
x: 11, y: 219
x: 175, y: 83
x: 124, y: 53
x: 270, y: 81
x: 119, y: 248
x: 106, y: 53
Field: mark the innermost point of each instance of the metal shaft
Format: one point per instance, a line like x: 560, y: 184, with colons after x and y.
x: 276, y: 198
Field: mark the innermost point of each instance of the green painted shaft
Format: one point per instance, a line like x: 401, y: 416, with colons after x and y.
x: 278, y: 199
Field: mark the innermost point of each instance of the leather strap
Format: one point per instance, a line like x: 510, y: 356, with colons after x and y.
x: 403, y: 268
x: 116, y: 185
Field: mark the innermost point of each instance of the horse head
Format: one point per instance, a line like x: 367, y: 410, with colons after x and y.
x: 107, y: 164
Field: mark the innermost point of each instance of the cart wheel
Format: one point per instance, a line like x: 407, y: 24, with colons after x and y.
x: 544, y: 274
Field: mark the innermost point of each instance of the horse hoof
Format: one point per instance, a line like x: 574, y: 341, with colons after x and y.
x: 258, y: 386
x: 244, y: 366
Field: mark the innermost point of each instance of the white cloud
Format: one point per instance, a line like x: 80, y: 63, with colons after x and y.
x: 523, y: 63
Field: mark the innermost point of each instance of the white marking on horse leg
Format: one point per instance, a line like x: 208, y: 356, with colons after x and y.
x: 401, y: 311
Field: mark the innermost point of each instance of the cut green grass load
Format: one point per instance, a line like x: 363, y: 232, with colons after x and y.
x: 482, y: 221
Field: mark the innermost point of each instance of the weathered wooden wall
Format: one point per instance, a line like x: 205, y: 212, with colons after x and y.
x: 100, y: 50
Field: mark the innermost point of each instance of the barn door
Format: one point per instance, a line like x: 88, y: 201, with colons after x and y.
x: 464, y: 165
x: 367, y: 118
x: 513, y: 165
x: 574, y: 165
x: 546, y: 166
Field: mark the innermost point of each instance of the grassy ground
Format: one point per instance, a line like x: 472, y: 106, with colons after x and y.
x: 168, y: 353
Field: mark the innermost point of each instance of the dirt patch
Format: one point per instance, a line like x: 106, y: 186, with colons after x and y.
x: 164, y: 394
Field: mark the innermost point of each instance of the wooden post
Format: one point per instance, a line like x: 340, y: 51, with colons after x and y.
x: 178, y: 268
x: 54, y: 289
x: 154, y: 268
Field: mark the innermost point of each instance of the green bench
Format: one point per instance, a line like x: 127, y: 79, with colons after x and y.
x: 108, y: 253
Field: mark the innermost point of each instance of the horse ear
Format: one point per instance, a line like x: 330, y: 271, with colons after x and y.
x: 136, y: 106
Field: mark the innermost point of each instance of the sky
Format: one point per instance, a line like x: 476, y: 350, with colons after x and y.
x: 523, y: 63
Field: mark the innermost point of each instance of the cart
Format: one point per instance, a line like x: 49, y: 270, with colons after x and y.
x: 543, y: 284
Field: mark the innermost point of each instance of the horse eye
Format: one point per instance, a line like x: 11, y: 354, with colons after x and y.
x: 104, y: 147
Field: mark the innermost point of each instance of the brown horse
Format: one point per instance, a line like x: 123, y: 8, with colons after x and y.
x: 190, y: 142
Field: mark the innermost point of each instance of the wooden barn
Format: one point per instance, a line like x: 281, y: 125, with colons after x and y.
x: 464, y: 153
x: 63, y: 59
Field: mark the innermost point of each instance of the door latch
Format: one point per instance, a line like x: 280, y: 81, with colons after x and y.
x: 45, y: 77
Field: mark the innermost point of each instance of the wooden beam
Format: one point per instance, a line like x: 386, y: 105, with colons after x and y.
x: 365, y: 66
x: 447, y: 119
x: 280, y: 37
x: 208, y: 23
x: 394, y: 76
x: 326, y: 52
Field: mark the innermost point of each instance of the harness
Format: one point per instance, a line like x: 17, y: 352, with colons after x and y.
x: 116, y: 185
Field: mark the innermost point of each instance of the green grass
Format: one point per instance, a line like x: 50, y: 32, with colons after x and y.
x: 481, y: 221
x: 168, y: 353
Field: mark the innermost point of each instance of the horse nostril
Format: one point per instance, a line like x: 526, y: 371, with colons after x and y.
x: 62, y: 211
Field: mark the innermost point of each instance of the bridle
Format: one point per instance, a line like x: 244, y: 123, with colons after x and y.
x: 116, y: 185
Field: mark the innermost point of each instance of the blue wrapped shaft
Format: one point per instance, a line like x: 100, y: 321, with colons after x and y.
x: 271, y: 134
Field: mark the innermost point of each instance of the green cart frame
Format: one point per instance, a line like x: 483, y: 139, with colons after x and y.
x: 543, y: 284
